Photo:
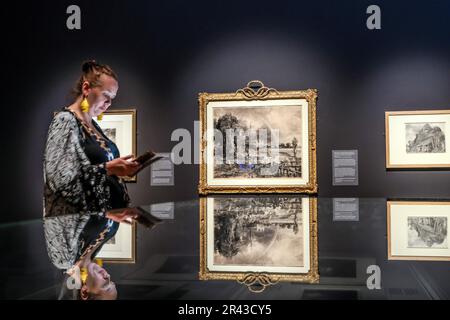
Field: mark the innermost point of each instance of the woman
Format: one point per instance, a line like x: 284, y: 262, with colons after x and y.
x: 82, y: 184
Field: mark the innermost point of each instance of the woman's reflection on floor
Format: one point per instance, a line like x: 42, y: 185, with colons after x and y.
x: 73, y: 242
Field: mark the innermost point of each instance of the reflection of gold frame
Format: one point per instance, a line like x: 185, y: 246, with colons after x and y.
x: 263, y: 279
x: 266, y: 94
x: 132, y: 259
x: 131, y: 112
x: 388, y: 115
x: 389, y: 230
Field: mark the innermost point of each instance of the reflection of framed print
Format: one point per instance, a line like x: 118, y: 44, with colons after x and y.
x: 258, y: 140
x: 418, y: 230
x: 418, y: 139
x: 120, y: 127
x: 258, y: 239
x: 122, y: 247
x: 344, y: 270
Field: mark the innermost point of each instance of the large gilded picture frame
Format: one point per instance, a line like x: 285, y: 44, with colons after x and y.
x: 259, y: 240
x: 264, y: 123
x: 119, y: 125
x: 417, y: 139
x: 418, y: 230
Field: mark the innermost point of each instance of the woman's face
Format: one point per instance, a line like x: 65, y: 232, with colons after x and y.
x: 100, y: 97
x: 99, y: 283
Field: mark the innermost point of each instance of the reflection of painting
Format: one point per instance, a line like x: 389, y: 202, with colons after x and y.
x: 262, y: 122
x: 258, y: 140
x: 425, y: 137
x: 427, y: 232
x: 259, y: 239
x: 265, y: 231
x: 111, y: 134
x: 111, y: 241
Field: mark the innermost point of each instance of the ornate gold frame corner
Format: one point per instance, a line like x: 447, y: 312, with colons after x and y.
x: 263, y: 93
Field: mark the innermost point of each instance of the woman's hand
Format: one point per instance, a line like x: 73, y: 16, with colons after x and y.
x: 122, y: 166
x: 126, y: 215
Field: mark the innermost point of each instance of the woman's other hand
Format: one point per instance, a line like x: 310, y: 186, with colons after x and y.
x: 126, y: 215
x: 122, y: 166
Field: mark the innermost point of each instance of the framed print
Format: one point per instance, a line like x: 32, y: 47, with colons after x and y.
x: 120, y: 127
x: 122, y: 247
x: 418, y: 230
x: 418, y: 139
x: 258, y: 240
x: 349, y: 271
x: 258, y: 140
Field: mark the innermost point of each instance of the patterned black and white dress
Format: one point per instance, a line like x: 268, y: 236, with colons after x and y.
x: 77, y: 190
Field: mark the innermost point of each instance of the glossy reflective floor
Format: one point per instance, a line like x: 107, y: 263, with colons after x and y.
x: 167, y: 263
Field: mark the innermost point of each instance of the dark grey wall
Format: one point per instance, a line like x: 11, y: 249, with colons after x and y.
x: 167, y: 52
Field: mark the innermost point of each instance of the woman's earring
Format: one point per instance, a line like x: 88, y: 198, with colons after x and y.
x: 100, y: 117
x: 84, y: 105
